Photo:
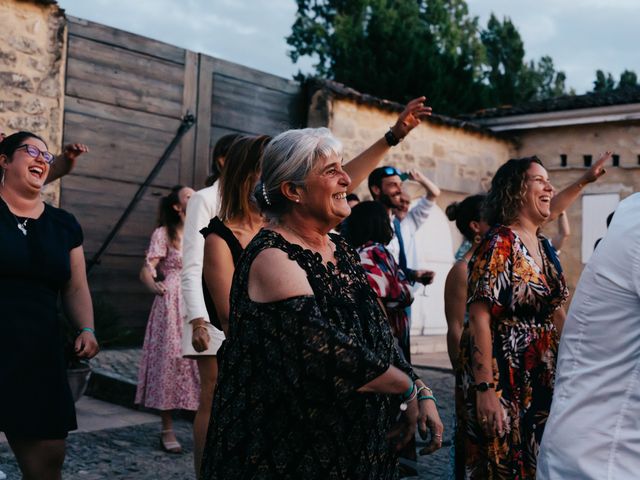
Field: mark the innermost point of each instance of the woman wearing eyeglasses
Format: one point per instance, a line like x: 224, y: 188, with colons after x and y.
x: 41, y: 259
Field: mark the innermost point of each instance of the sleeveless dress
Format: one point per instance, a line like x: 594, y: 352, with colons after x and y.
x: 35, y: 399
x: 522, y: 298
x: 166, y: 380
x: 218, y: 228
x: 286, y: 405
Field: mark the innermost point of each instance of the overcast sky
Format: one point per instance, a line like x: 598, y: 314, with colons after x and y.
x: 580, y: 35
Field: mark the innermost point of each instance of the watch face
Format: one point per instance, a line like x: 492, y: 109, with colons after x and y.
x: 482, y: 387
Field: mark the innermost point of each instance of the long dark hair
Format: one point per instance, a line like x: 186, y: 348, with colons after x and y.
x: 369, y: 221
x: 508, y: 187
x: 239, y: 175
x: 220, y: 151
x: 168, y: 216
x: 467, y: 211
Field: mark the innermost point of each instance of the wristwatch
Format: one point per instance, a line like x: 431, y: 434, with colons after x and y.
x: 484, y: 386
x: 391, y: 139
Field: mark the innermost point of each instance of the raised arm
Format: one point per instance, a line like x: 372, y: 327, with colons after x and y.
x: 66, y: 161
x: 361, y: 166
x: 564, y: 231
x: 562, y: 200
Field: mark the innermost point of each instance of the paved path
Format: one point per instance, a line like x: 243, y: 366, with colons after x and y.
x: 120, y: 443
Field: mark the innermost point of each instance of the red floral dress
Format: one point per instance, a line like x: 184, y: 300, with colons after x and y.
x: 522, y: 299
x: 388, y: 281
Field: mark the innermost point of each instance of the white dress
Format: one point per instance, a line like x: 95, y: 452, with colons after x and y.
x: 202, y: 207
x: 593, y: 430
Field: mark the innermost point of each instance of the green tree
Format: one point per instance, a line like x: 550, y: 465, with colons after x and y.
x: 400, y: 49
x: 603, y: 82
x: 628, y: 78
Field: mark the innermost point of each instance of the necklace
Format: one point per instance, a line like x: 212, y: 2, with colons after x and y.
x: 22, y: 226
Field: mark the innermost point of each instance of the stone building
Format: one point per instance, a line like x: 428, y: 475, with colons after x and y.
x: 32, y: 62
x: 569, y: 133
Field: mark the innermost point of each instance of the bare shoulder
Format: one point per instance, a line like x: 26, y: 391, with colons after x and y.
x: 274, y: 276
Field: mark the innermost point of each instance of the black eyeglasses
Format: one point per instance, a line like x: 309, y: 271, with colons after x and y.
x: 391, y: 171
x: 35, y: 152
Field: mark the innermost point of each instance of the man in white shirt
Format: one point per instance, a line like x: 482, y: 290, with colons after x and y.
x: 385, y: 185
x: 593, y: 429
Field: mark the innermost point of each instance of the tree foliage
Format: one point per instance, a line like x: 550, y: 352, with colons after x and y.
x: 400, y: 49
x: 605, y: 82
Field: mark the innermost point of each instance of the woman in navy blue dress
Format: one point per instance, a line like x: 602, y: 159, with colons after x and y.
x: 41, y: 259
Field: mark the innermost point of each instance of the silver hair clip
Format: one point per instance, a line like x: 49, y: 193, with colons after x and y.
x: 264, y: 194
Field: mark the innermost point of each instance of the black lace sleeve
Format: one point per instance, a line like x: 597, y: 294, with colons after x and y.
x: 402, y: 364
x: 328, y: 354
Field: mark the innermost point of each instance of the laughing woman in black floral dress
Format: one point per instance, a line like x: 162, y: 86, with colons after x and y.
x: 310, y: 381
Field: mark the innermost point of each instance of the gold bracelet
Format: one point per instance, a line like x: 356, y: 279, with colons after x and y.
x: 202, y: 325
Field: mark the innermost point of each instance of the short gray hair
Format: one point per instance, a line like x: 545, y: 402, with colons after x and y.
x: 290, y: 157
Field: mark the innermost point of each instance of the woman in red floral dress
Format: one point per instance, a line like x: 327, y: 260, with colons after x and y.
x: 504, y: 383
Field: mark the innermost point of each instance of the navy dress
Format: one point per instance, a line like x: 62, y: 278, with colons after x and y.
x: 35, y: 399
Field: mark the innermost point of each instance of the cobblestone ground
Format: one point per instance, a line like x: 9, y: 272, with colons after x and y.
x: 133, y: 452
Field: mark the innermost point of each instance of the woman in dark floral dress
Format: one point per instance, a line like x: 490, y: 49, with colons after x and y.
x: 508, y: 350
x: 310, y: 380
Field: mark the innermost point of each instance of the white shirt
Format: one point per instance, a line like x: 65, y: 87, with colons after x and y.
x: 409, y: 226
x: 202, y: 207
x: 593, y: 430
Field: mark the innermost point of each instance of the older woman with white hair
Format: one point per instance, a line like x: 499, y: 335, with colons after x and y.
x: 310, y: 380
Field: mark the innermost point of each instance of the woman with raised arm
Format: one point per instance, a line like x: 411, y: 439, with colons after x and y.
x: 41, y: 259
x: 310, y: 379
x: 508, y: 349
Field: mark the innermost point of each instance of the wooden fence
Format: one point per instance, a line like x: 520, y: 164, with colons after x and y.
x: 125, y: 96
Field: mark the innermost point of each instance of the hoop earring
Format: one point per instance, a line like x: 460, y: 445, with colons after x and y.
x: 477, y: 238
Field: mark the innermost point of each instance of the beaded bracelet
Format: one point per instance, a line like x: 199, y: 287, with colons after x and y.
x: 428, y: 397
x: 409, y: 391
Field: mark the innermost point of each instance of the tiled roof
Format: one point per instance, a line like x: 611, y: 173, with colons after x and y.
x: 340, y: 90
x: 569, y: 102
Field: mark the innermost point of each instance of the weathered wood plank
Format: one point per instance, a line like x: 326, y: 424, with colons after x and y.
x: 120, y: 38
x: 121, y: 151
x: 189, y: 104
x: 256, y: 77
x: 119, y: 114
x: 116, y: 282
x: 122, y: 88
x: 121, y: 98
x: 203, y: 130
x: 98, y: 204
x: 121, y: 59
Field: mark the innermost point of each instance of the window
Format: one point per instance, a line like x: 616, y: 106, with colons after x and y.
x: 563, y: 159
x: 587, y: 160
x: 616, y: 160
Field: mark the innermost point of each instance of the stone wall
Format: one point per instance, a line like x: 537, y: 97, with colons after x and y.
x: 32, y: 59
x: 622, y: 138
x: 460, y: 161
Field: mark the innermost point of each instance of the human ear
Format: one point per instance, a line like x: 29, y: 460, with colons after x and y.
x: 290, y: 191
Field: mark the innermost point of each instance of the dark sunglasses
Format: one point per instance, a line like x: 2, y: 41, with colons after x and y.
x: 391, y: 171
x: 35, y: 152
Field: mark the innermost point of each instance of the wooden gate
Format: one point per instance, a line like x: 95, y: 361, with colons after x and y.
x: 124, y: 97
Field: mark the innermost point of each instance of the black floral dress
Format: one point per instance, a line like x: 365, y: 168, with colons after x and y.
x: 522, y: 298
x: 286, y: 405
